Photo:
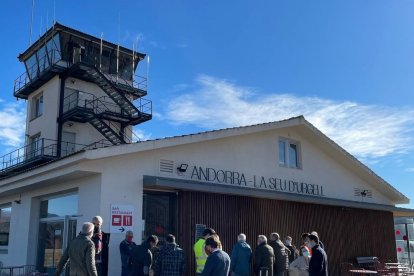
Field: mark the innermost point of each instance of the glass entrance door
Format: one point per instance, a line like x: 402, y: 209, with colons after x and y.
x: 54, y: 236
x: 160, y: 214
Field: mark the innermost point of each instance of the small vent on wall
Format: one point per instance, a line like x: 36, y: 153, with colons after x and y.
x: 166, y: 166
x: 362, y: 192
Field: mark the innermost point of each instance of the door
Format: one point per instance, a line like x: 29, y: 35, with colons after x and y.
x: 68, y: 143
x: 54, y: 236
x: 160, y: 214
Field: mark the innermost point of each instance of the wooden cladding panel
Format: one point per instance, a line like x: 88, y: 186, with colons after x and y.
x: 345, y: 232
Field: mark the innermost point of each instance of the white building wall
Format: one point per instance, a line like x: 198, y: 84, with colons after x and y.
x: 24, y: 224
x: 46, y: 123
x: 121, y: 181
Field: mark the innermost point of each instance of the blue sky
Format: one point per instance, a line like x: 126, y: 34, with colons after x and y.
x: 348, y: 66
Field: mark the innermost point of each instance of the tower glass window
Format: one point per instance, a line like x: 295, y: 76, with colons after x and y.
x: 289, y: 153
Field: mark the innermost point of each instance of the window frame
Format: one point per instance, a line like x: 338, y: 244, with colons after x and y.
x: 34, y: 113
x: 287, y: 162
x: 4, y: 248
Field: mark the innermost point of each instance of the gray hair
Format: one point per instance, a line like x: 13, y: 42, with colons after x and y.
x: 97, y: 218
x: 87, y: 228
x: 262, y: 238
x: 241, y: 237
x: 129, y: 233
x: 274, y: 236
x: 315, y: 233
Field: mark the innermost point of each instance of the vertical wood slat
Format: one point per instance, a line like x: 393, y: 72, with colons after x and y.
x: 346, y: 232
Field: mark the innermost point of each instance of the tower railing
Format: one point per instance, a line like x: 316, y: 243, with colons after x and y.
x: 101, y: 104
x: 43, y: 150
x: 53, y: 62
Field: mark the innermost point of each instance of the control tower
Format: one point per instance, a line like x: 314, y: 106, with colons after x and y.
x: 81, y: 92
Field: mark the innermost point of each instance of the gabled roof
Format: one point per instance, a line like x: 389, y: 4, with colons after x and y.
x: 298, y: 122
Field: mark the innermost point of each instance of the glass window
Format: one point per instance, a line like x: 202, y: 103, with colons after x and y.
x: 37, y: 106
x: 32, y: 66
x: 53, y: 49
x: 59, y: 207
x: 42, y: 57
x: 282, y: 153
x: 5, y: 214
x: 289, y: 153
x: 34, y: 147
x: 293, y: 156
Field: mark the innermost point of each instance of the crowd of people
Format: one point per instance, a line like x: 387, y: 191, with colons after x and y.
x: 271, y: 258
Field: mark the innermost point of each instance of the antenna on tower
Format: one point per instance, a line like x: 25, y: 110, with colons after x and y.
x: 31, y: 23
x: 41, y: 22
x: 54, y: 12
x: 117, y: 50
x: 148, y: 64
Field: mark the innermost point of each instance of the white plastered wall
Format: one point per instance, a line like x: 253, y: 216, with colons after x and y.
x: 24, y: 224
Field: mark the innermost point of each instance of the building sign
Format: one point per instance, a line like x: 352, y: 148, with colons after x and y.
x: 259, y: 182
x: 122, y: 218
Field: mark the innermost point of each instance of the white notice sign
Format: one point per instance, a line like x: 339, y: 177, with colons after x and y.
x: 122, y: 218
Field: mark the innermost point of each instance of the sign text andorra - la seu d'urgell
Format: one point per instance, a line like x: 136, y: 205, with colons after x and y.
x: 229, y: 177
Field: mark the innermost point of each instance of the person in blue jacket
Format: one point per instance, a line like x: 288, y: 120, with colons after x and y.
x: 218, y: 261
x: 241, y: 257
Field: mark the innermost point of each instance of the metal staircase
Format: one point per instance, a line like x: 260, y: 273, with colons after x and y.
x: 92, y: 73
x: 107, y: 131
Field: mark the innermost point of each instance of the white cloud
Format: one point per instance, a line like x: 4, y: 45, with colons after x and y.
x: 12, y: 124
x: 410, y: 169
x: 367, y: 131
x: 140, y: 135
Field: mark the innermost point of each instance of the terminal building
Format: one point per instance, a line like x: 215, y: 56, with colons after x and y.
x: 81, y: 159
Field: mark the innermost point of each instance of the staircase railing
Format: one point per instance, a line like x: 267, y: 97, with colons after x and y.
x: 99, y: 106
x: 90, y: 101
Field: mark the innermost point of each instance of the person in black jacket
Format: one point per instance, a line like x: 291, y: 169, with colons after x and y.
x: 264, y: 257
x: 320, y: 242
x: 141, y: 260
x: 318, y: 265
x: 282, y: 253
x: 125, y: 248
x: 218, y: 261
x: 294, y: 253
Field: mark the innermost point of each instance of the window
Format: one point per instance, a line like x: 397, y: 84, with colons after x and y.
x: 34, y: 146
x: 289, y: 153
x: 5, y: 213
x: 59, y: 206
x: 37, y: 106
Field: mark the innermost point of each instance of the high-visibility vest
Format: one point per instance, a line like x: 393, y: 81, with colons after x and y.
x: 200, y: 255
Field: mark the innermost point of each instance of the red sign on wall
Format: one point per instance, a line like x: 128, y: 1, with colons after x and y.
x: 121, y: 218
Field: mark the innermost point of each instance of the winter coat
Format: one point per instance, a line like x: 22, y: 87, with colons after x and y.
x: 217, y: 264
x: 281, y: 256
x: 170, y: 261
x: 125, y: 248
x: 293, y: 253
x: 299, y: 267
x: 318, y: 265
x: 264, y: 258
x: 81, y: 253
x: 140, y: 261
x: 241, y: 256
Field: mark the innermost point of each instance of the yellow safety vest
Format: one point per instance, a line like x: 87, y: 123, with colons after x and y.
x: 200, y: 255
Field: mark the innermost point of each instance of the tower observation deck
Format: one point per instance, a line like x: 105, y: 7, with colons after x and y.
x: 82, y: 92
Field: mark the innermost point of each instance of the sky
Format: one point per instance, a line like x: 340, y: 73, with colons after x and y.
x: 347, y: 66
